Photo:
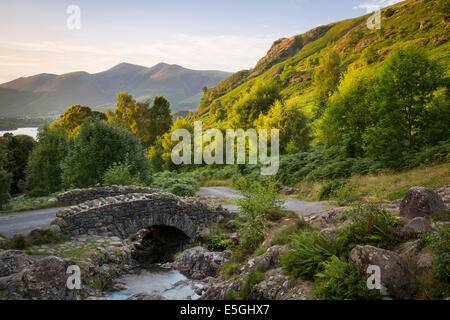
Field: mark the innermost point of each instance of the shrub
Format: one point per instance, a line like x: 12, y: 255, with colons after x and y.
x: 439, y: 243
x: 284, y: 236
x: 120, y: 174
x: 213, y: 241
x: 341, y: 280
x: 231, y: 295
x: 253, y: 278
x: 230, y: 269
x: 19, y: 242
x: 179, y: 184
x: 48, y: 237
x: 309, y: 250
x: 371, y: 225
x: 329, y: 189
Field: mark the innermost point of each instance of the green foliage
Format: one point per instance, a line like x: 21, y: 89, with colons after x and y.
x: 371, y: 225
x: 231, y: 269
x: 439, y: 242
x: 120, y: 174
x: 253, y: 278
x: 73, y: 117
x: 308, y: 251
x: 327, y: 77
x: 48, y: 237
x: 5, y: 183
x: 330, y: 188
x: 341, y: 280
x: 96, y: 148
x: 214, y: 241
x: 248, y: 108
x: 231, y: 295
x: 43, y: 172
x: 147, y: 123
x: 179, y: 184
x: 257, y: 203
x: 19, y: 242
x: 17, y: 149
x: 284, y: 236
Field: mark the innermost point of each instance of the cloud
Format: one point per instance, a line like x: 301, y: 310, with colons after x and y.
x: 221, y: 52
x: 373, y: 5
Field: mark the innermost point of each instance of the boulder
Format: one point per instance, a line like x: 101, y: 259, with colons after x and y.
x: 199, y: 263
x: 235, y: 237
x: 13, y: 261
x: 425, y: 261
x: 231, y: 225
x: 397, y: 280
x: 268, y: 260
x: 411, y: 247
x: 421, y: 202
x: 145, y: 296
x: 44, y: 279
x: 415, y: 226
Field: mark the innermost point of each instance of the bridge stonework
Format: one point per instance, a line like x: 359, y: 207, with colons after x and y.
x: 124, y: 215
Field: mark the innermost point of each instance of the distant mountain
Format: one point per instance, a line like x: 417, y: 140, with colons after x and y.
x: 50, y: 94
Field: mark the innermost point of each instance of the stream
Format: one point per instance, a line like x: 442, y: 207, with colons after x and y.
x: 154, y: 279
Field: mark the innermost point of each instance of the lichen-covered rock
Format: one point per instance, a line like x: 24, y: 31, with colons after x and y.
x: 268, y: 260
x: 45, y: 279
x: 421, y: 202
x: 198, y: 263
x: 277, y: 286
x: 13, y: 261
x: 415, y: 226
x: 411, y: 247
x: 397, y: 280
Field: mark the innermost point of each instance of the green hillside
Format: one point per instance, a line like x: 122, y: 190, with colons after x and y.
x: 417, y: 23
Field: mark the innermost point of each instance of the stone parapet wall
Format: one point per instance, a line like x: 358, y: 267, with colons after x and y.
x: 77, y: 196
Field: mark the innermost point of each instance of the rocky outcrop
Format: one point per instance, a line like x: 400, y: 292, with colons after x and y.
x: 13, y: 261
x: 421, y: 202
x: 81, y: 195
x: 199, y: 263
x: 125, y: 215
x: 397, y: 280
x: 144, y: 296
x: 45, y: 279
x: 268, y: 260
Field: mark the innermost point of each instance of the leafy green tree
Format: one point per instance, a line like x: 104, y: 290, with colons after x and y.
x: 248, y: 108
x: 72, y: 118
x: 5, y: 180
x: 326, y: 77
x: 291, y: 122
x: 145, y: 122
x: 17, y: 150
x: 43, y: 172
x: 120, y: 174
x: 221, y: 115
x: 96, y: 148
x: 404, y: 88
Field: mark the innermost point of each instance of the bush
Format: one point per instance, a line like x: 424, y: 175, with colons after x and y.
x: 19, y: 242
x: 253, y: 278
x: 440, y: 244
x: 179, y: 184
x: 329, y: 189
x: 48, y: 237
x: 120, y: 174
x: 230, y: 269
x: 341, y: 280
x: 231, y: 295
x: 284, y: 236
x: 309, y: 250
x: 182, y: 189
x: 213, y: 241
x: 371, y: 225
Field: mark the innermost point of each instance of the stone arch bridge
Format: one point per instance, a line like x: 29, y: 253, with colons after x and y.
x: 124, y: 215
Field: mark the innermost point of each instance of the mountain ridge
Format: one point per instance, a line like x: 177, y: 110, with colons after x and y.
x: 51, y: 94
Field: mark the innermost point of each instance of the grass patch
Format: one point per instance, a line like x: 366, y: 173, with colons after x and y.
x: 253, y: 278
x: 25, y: 203
x: 284, y: 236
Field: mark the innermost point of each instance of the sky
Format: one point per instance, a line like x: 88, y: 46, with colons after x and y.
x: 228, y: 35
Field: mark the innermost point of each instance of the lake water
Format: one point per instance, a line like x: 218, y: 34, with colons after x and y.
x: 169, y: 283
x: 32, y: 132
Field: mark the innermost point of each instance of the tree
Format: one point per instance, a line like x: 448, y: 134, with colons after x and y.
x: 97, y: 147
x: 17, y: 149
x: 327, y: 77
x: 72, y: 118
x: 5, y: 180
x: 145, y: 122
x: 248, y: 108
x: 347, y: 116
x: 292, y: 125
x: 221, y: 115
x: 43, y: 171
x: 402, y: 92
